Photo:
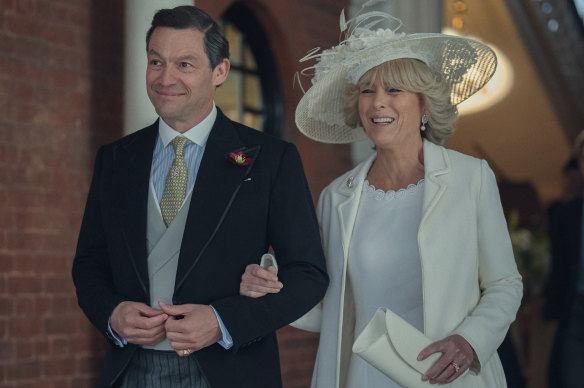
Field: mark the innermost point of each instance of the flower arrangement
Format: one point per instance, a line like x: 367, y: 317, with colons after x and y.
x: 532, y: 255
x: 240, y: 159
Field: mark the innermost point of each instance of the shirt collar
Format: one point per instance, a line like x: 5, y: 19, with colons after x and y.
x: 197, y: 134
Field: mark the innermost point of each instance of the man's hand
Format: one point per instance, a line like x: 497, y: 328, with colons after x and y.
x: 138, y: 323
x: 190, y: 327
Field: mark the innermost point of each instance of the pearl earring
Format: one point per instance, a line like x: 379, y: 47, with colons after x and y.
x: 424, y: 122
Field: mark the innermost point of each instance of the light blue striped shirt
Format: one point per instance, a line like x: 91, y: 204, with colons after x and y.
x: 193, y: 152
x: 162, y: 159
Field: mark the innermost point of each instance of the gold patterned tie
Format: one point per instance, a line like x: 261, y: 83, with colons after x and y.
x: 175, y: 188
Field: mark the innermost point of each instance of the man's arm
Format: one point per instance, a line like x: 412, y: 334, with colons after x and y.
x: 294, y: 236
x: 91, y: 270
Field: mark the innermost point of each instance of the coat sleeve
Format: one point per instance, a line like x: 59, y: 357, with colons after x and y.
x: 311, y: 321
x: 499, y: 281
x: 91, y: 266
x: 294, y: 235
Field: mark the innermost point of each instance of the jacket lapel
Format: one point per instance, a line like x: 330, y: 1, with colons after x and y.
x: 216, y: 186
x: 351, y: 188
x: 436, y: 164
x: 133, y: 178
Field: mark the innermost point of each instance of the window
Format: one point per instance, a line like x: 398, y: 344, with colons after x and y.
x: 251, y: 94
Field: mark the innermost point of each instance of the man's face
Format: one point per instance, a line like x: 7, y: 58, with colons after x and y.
x: 179, y: 79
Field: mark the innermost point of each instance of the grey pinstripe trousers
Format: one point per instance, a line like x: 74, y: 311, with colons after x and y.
x: 162, y: 369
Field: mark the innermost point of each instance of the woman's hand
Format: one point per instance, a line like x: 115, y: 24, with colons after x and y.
x: 257, y: 281
x: 457, y: 356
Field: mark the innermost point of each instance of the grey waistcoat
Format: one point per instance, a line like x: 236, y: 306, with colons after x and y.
x: 163, y: 246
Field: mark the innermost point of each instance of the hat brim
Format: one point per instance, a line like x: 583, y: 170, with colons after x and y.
x: 465, y: 64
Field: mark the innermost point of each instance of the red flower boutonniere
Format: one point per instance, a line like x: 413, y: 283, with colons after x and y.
x: 240, y: 159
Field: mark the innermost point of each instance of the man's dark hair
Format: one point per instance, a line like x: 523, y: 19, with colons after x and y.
x: 183, y: 17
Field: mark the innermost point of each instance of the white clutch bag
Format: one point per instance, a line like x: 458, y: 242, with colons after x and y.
x: 392, y: 346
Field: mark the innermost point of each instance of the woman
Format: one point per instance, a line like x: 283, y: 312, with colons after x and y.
x: 417, y: 229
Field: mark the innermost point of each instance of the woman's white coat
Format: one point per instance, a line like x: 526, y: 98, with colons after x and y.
x: 471, y: 285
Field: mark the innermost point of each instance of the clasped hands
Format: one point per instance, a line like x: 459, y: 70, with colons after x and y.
x: 457, y: 354
x: 188, y: 327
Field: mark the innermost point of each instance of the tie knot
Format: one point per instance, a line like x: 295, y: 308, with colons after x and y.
x: 178, y: 143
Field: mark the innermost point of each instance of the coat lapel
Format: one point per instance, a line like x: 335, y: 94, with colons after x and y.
x: 351, y: 188
x: 436, y: 164
x: 133, y: 178
x: 216, y: 186
x: 347, y: 194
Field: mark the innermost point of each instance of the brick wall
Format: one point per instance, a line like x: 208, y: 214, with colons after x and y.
x: 61, y: 88
x: 60, y: 96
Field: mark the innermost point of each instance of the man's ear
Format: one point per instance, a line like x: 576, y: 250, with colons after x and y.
x: 221, y: 71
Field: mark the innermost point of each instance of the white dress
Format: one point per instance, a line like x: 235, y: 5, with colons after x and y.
x: 384, y: 267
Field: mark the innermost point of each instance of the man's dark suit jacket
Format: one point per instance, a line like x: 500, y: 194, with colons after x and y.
x: 236, y: 213
x: 565, y: 225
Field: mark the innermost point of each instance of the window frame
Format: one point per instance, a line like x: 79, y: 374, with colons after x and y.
x: 255, y: 38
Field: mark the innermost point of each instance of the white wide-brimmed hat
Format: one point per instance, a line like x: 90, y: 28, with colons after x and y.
x: 465, y: 64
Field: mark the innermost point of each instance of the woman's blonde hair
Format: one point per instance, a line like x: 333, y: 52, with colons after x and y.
x: 415, y: 76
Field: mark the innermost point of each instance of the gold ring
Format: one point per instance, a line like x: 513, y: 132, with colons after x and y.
x: 187, y: 352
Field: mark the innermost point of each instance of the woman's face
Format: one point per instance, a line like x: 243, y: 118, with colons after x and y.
x: 391, y: 117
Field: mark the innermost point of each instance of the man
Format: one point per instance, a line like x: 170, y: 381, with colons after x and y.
x: 564, y: 291
x: 176, y: 212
